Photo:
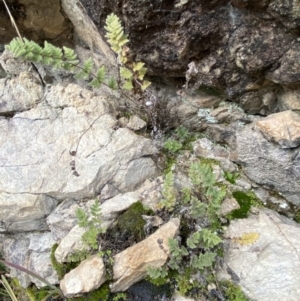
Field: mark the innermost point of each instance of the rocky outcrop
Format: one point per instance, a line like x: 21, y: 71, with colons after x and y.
x: 67, y: 146
x: 267, y: 164
x: 245, y: 50
x: 271, y: 261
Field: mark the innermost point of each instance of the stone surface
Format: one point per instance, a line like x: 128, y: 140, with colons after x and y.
x: 135, y: 123
x: 88, y: 276
x: 36, y: 20
x: 19, y: 94
x: 62, y: 219
x: 267, y: 164
x: 67, y: 147
x: 267, y: 269
x: 31, y: 251
x: 283, y: 128
x: 71, y: 243
x: 24, y: 212
x: 234, y: 46
x: 130, y: 265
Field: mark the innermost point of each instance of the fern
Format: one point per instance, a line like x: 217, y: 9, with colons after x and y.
x: 168, y: 192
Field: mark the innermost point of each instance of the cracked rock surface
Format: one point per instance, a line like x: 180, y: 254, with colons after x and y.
x: 67, y: 146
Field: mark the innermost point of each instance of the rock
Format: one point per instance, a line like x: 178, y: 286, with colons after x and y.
x: 86, y: 29
x: 37, y: 20
x: 70, y: 244
x: 178, y: 297
x: 135, y: 123
x: 289, y: 100
x: 228, y: 205
x: 31, y: 251
x: 271, y: 261
x: 24, y: 212
x: 67, y: 147
x: 62, y: 219
x: 130, y: 265
x: 283, y: 128
x: 267, y: 164
x: 88, y: 276
x: 19, y: 94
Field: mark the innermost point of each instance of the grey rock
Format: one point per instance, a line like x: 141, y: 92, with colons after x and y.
x: 135, y: 123
x: 31, y: 251
x: 88, y: 276
x: 272, y: 261
x: 24, y: 211
x: 267, y: 164
x: 62, y: 219
x: 19, y: 94
x: 67, y: 147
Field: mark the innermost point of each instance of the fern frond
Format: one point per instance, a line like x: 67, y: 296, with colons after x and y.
x: 82, y: 218
x: 112, y: 83
x: 115, y: 33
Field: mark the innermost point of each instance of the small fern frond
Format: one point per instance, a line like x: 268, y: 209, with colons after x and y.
x: 112, y: 83
x: 115, y: 33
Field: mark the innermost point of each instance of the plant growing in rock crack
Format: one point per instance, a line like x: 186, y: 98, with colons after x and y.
x: 192, y: 255
x: 92, y: 222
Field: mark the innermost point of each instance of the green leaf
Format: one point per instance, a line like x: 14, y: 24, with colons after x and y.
x: 203, y: 260
x: 145, y: 85
x: 125, y: 73
x: 137, y: 66
x: 128, y: 85
x: 82, y: 218
x: 112, y: 83
x: 210, y: 239
x: 142, y: 73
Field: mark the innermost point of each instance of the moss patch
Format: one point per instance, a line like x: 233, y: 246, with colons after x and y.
x: 233, y: 292
x: 132, y: 222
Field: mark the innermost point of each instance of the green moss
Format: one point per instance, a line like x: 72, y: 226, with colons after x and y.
x: 132, y: 222
x: 297, y: 217
x: 209, y: 161
x: 101, y: 294
x: 233, y: 292
x: 245, y: 200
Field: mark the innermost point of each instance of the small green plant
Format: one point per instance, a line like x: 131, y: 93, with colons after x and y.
x: 199, y: 244
x: 120, y: 297
x: 7, y: 291
x: 233, y: 292
x: 92, y: 222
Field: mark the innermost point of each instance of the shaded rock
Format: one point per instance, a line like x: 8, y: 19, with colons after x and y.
x: 86, y: 29
x: 19, y: 94
x: 88, y: 276
x: 37, y: 20
x: 272, y: 261
x: 283, y: 128
x: 267, y: 164
x: 135, y: 123
x: 130, y: 265
x: 289, y: 100
x: 24, y: 212
x: 62, y: 219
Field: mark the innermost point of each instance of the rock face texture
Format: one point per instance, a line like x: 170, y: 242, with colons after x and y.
x: 242, y: 48
x: 268, y: 268
x: 267, y: 164
x: 65, y: 147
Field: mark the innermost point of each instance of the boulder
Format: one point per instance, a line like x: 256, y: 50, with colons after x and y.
x: 265, y: 163
x: 266, y: 266
x: 88, y: 276
x: 130, y: 266
x: 282, y: 128
x: 68, y: 147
